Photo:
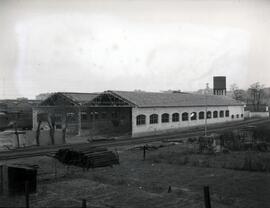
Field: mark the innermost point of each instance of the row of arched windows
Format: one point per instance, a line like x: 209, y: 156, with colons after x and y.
x: 165, y: 117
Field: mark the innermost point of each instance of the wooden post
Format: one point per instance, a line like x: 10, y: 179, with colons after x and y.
x: 84, y: 203
x: 79, y: 122
x: 144, y: 152
x: 207, y: 200
x: 17, y: 134
x: 26, y: 194
x: 51, y: 123
x: 205, y: 120
x: 64, y: 130
x: 38, y: 133
x: 55, y: 168
x: 169, y: 189
x: 92, y: 113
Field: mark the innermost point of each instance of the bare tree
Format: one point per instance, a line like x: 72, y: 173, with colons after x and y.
x: 234, y: 87
x: 238, y: 94
x: 256, y: 94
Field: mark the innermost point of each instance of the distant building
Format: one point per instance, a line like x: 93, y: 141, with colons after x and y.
x: 17, y: 110
x: 253, y: 111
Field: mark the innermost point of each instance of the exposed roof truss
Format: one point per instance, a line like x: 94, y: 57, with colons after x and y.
x: 109, y: 99
x: 57, y: 99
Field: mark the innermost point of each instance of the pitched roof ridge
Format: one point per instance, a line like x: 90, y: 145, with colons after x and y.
x: 78, y: 92
x: 126, y: 100
x: 149, y: 92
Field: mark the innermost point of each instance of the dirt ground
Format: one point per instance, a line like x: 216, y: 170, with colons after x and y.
x: 137, y: 183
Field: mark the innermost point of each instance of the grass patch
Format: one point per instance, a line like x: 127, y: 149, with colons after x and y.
x: 106, y: 180
x: 248, y: 161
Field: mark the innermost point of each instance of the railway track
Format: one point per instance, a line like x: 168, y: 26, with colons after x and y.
x: 50, y: 150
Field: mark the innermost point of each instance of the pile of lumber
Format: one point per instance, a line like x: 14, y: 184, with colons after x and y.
x: 88, y: 157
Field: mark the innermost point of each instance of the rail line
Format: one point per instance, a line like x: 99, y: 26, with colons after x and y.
x: 50, y: 150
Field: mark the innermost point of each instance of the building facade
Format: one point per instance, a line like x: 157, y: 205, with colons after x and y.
x: 154, y: 113
x: 17, y: 111
x: 168, y: 119
x: 67, y: 110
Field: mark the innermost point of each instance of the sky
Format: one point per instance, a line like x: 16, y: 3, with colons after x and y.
x: 151, y: 45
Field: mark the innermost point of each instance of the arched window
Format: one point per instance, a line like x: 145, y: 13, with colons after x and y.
x: 193, y: 116
x: 237, y: 115
x: 153, y: 118
x: 232, y: 116
x: 209, y: 114
x: 175, y: 117
x: 185, y: 116
x: 227, y: 113
x: 165, y: 118
x: 140, y: 119
x: 201, y: 115
x: 221, y: 114
x: 242, y: 115
x: 215, y: 114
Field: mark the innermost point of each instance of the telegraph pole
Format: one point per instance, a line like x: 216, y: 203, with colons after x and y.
x: 205, y: 120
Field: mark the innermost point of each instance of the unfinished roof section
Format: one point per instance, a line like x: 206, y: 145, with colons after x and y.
x: 108, y: 98
x: 68, y: 98
x: 155, y: 99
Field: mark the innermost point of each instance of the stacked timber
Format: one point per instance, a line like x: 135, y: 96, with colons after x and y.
x: 88, y: 157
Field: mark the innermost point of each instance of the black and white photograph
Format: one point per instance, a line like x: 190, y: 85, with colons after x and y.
x: 134, y: 103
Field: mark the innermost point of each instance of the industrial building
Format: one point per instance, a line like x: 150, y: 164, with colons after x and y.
x: 143, y: 113
x: 67, y: 109
x: 137, y: 113
x: 17, y: 111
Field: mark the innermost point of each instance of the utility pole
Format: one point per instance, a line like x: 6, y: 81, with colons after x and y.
x: 205, y: 120
x: 79, y: 121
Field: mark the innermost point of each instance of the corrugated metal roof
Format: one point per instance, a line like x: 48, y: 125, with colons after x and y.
x: 155, y: 99
x: 79, y: 97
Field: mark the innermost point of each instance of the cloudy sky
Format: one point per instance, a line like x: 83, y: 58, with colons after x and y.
x: 152, y: 45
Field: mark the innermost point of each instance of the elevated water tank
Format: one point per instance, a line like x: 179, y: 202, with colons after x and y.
x: 219, y: 85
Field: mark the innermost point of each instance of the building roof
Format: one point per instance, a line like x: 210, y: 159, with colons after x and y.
x: 75, y: 98
x: 155, y: 99
x: 79, y: 97
x: 16, y: 105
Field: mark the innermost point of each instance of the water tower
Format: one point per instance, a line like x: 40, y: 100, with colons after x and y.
x: 219, y: 87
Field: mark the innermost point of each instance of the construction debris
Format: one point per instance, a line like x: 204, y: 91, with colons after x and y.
x: 88, y: 158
